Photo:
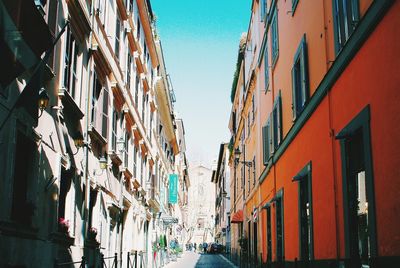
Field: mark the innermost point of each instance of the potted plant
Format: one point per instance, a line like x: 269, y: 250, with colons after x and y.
x: 63, y: 226
x: 92, y: 233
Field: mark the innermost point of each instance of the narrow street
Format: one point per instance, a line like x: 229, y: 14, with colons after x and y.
x: 197, y: 260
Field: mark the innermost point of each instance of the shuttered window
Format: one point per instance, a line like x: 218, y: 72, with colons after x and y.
x: 346, y: 17
x: 300, y: 85
x: 266, y: 133
x: 274, y: 37
x: 263, y: 8
x: 104, y: 114
x: 266, y: 67
x: 277, y: 121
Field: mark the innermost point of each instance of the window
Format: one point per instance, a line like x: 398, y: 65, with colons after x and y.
x: 114, y: 130
x: 254, y: 170
x: 279, y: 227
x: 22, y: 209
x: 274, y: 37
x: 117, y: 36
x: 277, y: 121
x: 300, y: 86
x: 70, y: 63
x: 130, y: 6
x: 253, y: 108
x: 263, y: 10
x: 135, y: 152
x: 138, y: 30
x: 294, y: 5
x: 126, y: 155
x: 100, y: 107
x: 358, y: 190
x: 346, y: 17
x: 104, y: 114
x: 267, y: 141
x: 305, y: 213
x: 269, y: 236
x: 248, y: 124
x: 266, y: 67
x: 137, y: 81
x: 128, y: 71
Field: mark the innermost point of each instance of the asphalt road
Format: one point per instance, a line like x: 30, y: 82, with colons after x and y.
x: 196, y: 260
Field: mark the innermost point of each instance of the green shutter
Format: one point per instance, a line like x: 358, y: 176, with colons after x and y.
x: 304, y: 71
x: 294, y: 91
x: 266, y: 141
x: 266, y: 71
x: 271, y: 135
x: 279, y: 111
x: 265, y: 144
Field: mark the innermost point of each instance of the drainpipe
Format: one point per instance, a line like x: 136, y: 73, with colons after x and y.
x: 332, y: 136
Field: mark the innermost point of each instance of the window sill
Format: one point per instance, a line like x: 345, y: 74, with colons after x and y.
x: 97, y: 136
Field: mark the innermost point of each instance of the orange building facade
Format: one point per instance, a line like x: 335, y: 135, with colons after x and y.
x: 315, y: 127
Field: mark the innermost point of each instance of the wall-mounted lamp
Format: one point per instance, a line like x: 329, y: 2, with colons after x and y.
x: 103, y: 166
x: 237, y: 160
x: 43, y: 100
x: 78, y: 141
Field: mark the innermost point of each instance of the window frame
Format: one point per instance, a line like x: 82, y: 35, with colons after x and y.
x: 274, y: 37
x: 304, y: 177
x: 360, y: 122
x: 266, y: 134
x: 301, y: 59
x: 279, y: 198
x: 266, y: 67
x: 277, y: 126
x: 294, y: 6
x: 342, y: 22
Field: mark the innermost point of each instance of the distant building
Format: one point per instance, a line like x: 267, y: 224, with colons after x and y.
x: 201, y: 210
x: 221, y: 178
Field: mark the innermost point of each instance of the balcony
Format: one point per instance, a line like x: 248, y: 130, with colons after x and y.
x: 80, y: 19
x: 69, y: 104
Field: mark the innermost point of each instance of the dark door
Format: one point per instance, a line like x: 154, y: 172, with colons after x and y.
x: 269, y: 238
x: 279, y: 229
x: 357, y: 202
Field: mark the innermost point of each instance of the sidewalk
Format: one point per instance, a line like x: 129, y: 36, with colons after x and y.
x: 188, y: 259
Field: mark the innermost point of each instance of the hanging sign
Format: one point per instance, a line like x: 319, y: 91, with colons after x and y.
x: 173, y: 189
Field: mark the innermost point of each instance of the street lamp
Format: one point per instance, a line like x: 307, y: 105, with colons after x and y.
x: 103, y: 166
x: 43, y: 100
x: 237, y: 159
x: 78, y: 141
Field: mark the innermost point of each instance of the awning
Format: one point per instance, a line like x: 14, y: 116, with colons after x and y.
x: 237, y: 217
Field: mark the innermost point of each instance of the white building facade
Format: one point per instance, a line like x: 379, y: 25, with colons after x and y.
x: 84, y: 179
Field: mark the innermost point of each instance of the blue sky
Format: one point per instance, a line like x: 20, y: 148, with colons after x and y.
x: 200, y: 40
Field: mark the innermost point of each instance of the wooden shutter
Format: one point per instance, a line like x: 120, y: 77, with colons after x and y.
x: 294, y: 104
x: 104, y: 113
x: 262, y: 9
x: 266, y: 66
x: 97, y: 112
x: 304, y: 72
x: 279, y: 117
x: 265, y: 140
